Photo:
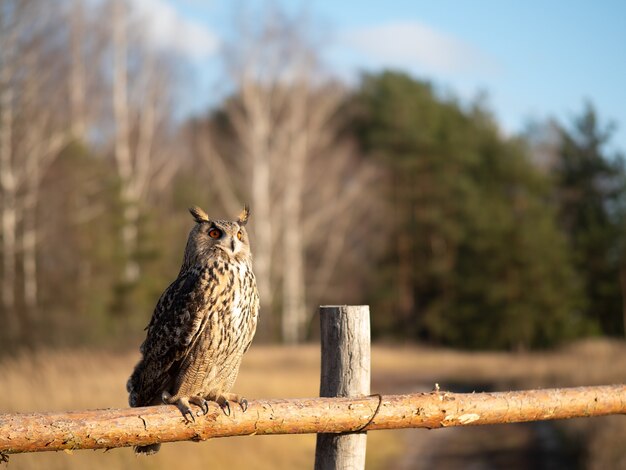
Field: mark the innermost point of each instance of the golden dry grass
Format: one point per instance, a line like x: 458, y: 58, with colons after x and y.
x: 65, y: 380
x: 589, y: 362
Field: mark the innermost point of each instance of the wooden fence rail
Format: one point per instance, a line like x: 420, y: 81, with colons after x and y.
x: 102, y: 429
x: 343, y: 409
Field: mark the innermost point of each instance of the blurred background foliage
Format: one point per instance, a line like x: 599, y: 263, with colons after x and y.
x: 388, y: 192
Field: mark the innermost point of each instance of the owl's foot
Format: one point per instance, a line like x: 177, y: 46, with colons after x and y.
x: 223, y: 399
x: 201, y: 402
x: 182, y: 403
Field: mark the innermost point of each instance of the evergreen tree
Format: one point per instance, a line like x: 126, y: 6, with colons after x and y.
x: 476, y: 259
x: 591, y: 192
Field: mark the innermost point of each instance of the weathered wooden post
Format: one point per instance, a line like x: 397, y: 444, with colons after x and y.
x: 345, y: 335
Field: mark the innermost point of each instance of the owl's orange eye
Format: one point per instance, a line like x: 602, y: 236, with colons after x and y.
x: 239, y: 235
x: 215, y: 233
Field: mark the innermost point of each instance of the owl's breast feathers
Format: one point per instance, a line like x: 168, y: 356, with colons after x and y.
x: 217, y: 300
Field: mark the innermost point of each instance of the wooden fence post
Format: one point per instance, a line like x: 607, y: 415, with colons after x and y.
x: 345, y: 337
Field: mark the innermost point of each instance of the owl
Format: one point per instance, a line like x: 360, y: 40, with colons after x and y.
x: 202, y: 325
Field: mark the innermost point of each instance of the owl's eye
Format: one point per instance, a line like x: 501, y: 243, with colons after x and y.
x: 239, y: 235
x: 215, y: 233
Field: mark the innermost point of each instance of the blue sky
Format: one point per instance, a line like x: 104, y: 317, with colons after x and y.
x: 533, y: 58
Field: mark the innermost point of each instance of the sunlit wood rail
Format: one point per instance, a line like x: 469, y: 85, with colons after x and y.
x: 109, y: 428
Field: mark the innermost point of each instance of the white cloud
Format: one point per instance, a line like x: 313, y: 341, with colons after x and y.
x: 411, y: 44
x: 167, y: 29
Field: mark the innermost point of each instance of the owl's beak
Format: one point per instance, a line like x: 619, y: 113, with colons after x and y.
x: 230, y: 244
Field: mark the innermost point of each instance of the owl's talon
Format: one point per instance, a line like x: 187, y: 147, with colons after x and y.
x: 226, y: 408
x: 224, y: 399
x: 201, y: 402
x: 189, y: 413
x: 181, y: 403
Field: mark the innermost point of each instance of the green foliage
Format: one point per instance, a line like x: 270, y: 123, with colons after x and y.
x: 475, y: 246
x: 476, y: 259
x: 591, y: 191
x: 79, y: 255
x: 82, y: 292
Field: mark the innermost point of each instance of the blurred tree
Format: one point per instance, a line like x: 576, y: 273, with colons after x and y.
x: 591, y: 193
x: 277, y: 135
x: 45, y: 116
x: 476, y: 259
x: 140, y: 100
x: 32, y: 135
x: 395, y: 192
x: 82, y: 259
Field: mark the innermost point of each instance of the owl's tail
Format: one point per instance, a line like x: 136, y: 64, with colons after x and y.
x: 147, y: 450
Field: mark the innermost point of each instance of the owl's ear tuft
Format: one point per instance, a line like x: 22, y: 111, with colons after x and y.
x: 244, y: 215
x: 198, y: 214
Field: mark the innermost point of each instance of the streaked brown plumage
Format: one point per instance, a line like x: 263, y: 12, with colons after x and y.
x: 202, y: 325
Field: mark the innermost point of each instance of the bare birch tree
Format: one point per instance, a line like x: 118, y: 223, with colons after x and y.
x: 32, y: 135
x: 137, y: 118
x: 256, y: 68
x: 293, y: 285
x: 283, y: 116
x: 122, y: 138
x: 77, y: 74
x: 8, y: 37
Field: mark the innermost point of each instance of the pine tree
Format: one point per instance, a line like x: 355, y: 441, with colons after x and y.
x: 476, y: 259
x: 591, y: 193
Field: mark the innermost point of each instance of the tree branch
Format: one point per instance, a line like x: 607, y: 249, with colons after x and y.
x: 103, y: 429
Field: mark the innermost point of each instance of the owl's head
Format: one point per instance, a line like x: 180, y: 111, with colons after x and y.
x: 214, y: 238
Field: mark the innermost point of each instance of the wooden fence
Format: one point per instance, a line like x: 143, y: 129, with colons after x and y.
x: 341, y: 417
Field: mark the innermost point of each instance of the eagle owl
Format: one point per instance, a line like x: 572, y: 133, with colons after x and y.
x: 202, y: 325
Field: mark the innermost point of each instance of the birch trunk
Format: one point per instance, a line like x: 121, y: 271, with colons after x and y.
x: 262, y: 226
x: 32, y: 156
x: 8, y: 183
x: 76, y: 80
x: 29, y: 236
x: 294, y: 306
x: 258, y: 142
x: 122, y: 144
x: 622, y: 279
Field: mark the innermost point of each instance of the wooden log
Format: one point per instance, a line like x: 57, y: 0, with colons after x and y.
x: 345, y: 372
x: 102, y: 429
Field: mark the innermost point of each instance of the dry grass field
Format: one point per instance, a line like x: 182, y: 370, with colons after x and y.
x: 64, y: 380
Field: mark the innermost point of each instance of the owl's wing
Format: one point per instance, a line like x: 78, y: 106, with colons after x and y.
x: 177, y: 320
